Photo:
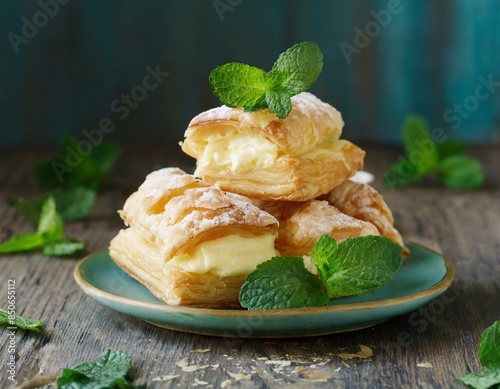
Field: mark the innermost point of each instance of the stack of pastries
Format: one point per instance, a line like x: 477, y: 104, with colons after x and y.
x: 263, y: 187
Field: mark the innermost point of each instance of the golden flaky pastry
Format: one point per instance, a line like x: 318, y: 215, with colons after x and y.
x: 303, y: 223
x: 261, y: 156
x: 363, y: 202
x: 190, y: 243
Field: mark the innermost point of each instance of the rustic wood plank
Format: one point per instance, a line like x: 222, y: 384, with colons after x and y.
x: 444, y: 333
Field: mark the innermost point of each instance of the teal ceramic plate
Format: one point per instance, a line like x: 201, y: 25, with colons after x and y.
x: 424, y: 276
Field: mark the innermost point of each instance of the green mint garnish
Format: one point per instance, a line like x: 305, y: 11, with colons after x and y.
x: 282, y: 282
x: 48, y: 237
x: 445, y: 160
x: 63, y: 247
x: 461, y: 172
x: 240, y: 85
x: 357, y: 265
x: 416, y: 139
x: 111, y: 370
x: 75, y: 168
x: 489, y: 356
x: 353, y: 267
x: 71, y: 204
x: 20, y: 322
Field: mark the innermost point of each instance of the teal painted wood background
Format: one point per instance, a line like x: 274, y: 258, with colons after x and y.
x: 383, y: 60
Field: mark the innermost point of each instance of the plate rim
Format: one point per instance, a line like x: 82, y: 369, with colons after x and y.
x: 94, y: 291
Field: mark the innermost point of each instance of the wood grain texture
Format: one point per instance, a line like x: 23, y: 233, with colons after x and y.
x: 445, y: 333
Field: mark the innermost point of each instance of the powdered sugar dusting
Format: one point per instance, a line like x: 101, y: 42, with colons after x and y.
x: 173, y: 209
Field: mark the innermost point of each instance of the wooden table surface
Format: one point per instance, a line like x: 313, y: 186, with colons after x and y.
x: 428, y: 351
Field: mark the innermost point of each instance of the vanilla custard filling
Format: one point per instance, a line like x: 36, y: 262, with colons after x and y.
x: 230, y: 255
x: 241, y: 153
x: 238, y: 152
x: 329, y: 147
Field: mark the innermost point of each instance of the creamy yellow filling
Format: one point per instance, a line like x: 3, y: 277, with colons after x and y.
x: 231, y: 255
x: 329, y: 147
x: 241, y: 153
x: 238, y: 152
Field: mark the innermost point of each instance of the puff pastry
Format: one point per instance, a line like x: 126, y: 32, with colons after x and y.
x: 363, y: 202
x: 303, y: 223
x: 260, y: 156
x: 190, y: 243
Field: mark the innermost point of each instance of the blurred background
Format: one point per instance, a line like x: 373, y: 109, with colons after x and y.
x: 140, y: 69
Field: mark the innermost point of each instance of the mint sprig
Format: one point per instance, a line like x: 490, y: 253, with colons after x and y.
x: 353, y: 267
x: 111, y: 370
x: 489, y: 356
x: 241, y: 85
x: 282, y: 282
x: 75, y: 169
x: 72, y: 204
x: 48, y: 237
x: 424, y: 158
x: 21, y: 322
x: 357, y: 265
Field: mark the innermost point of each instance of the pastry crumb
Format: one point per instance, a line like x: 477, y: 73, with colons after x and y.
x: 239, y: 377
x: 365, y: 352
x: 279, y: 363
x: 314, y: 376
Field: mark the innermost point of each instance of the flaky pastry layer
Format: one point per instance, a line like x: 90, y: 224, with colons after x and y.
x: 261, y: 156
x: 303, y: 223
x: 143, y: 261
x: 173, y: 215
x: 175, y: 211
x: 363, y: 202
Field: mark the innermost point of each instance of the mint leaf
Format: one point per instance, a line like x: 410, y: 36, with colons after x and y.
x: 77, y: 168
x: 49, y: 235
x: 50, y: 225
x: 111, y: 370
x: 63, y: 247
x: 24, y: 241
x: 50, y: 228
x: 300, y: 66
x: 451, y: 147
x: 461, y: 172
x: 322, y: 252
x: 103, y: 157
x: 71, y: 204
x: 489, y: 356
x: 487, y: 379
x: 360, y: 265
x: 282, y: 282
x: 74, y: 204
x: 279, y: 103
x: 20, y: 322
x: 241, y: 85
x: 423, y: 157
x: 489, y: 347
x: 400, y: 174
x: 417, y: 141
